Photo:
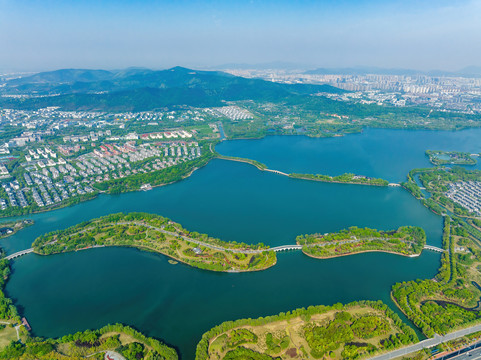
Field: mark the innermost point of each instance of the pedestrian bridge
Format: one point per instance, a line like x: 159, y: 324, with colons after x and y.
x: 19, y: 253
x: 286, y: 248
x: 276, y: 172
x: 434, y: 248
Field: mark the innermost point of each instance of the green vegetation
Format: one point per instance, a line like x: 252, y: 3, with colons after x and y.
x: 12, y: 227
x: 17, y: 343
x: 450, y: 300
x: 278, y: 109
x: 33, y: 208
x: 407, y: 240
x: 143, y: 90
x: 92, y: 344
x: 8, y: 312
x: 351, y: 331
x: 344, y: 178
x: 156, y: 178
x: 437, y: 181
x: 319, y: 116
x: 257, y: 164
x: 450, y: 157
x: 158, y: 234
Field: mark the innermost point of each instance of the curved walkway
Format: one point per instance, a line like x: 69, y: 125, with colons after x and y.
x: 220, y: 248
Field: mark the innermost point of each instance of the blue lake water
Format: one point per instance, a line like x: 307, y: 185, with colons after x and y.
x: 236, y: 202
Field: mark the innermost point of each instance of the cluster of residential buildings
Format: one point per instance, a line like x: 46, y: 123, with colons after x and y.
x: 234, y: 112
x: 12, y: 189
x: 92, y: 136
x: 467, y: 194
x: 445, y: 93
x: 452, y: 93
x: 49, y: 179
x: 52, y: 119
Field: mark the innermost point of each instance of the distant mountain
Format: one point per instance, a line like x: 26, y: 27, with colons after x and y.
x: 144, y: 89
x: 63, y: 76
x: 278, y: 65
x: 471, y: 70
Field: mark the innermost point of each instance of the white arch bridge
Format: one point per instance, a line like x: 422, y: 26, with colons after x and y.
x: 276, y: 249
x: 19, y: 253
x: 286, y: 248
x: 434, y: 248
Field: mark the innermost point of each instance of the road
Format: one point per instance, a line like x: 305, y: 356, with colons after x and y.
x: 436, y: 340
x: 465, y: 354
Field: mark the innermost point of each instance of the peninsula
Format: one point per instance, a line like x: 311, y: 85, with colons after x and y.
x: 11, y: 227
x: 158, y: 234
x: 346, y: 178
x: 450, y: 158
x: 349, y: 331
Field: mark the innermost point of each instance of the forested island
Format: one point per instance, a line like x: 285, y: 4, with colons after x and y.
x: 157, y: 234
x: 344, y: 178
x: 351, y: 331
x: 450, y: 157
x: 406, y: 240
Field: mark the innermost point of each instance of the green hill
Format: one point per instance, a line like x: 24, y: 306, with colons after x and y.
x: 143, y: 89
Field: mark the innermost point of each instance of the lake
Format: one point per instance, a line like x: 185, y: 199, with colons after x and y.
x: 236, y: 202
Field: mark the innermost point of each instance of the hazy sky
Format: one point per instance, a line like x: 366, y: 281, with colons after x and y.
x: 109, y: 34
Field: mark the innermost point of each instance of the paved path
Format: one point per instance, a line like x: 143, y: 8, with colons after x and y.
x: 244, y: 251
x: 436, y: 340
x: 220, y: 248
x: 16, y: 329
x: 109, y: 354
x: 198, y: 242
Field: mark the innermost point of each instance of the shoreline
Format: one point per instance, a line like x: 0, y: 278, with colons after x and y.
x: 360, y: 252
x: 336, y: 182
x: 260, y: 167
x: 23, y: 224
x: 148, y: 249
x: 62, y: 206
